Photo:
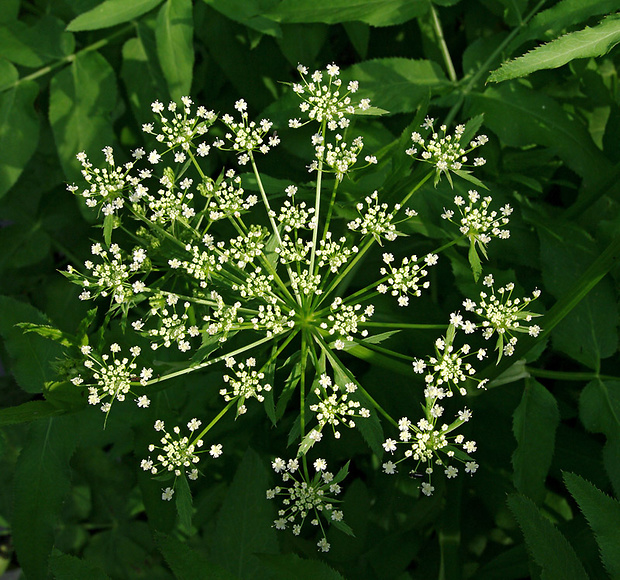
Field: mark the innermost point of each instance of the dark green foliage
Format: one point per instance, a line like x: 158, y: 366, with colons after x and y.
x: 541, y: 80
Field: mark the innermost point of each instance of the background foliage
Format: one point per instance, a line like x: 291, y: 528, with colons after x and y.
x: 80, y: 74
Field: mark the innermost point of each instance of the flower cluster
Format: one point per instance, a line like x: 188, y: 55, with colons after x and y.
x: 247, y: 136
x: 177, y: 455
x: 376, y: 220
x: 323, y: 101
x: 111, y: 276
x: 406, y: 279
x: 477, y: 223
x: 429, y: 445
x: 449, y: 367
x: 336, y: 408
x: 246, y: 383
x: 112, y: 376
x: 304, y: 497
x: 444, y: 151
x: 504, y: 315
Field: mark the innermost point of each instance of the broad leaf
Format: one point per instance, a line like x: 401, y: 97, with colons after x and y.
x: 603, y: 515
x: 250, y: 13
x: 244, y: 523
x: 8, y: 74
x: 71, y: 568
x: 41, y: 483
x: 82, y: 97
x: 535, y: 421
x: 188, y: 564
x: 111, y: 13
x: 31, y: 354
x: 548, y: 547
x: 599, y: 411
x: 19, y: 131
x: 26, y: 412
x: 521, y: 116
x: 183, y: 500
x: 587, y: 43
x: 397, y: 84
x: 287, y: 566
x: 373, y: 12
x: 175, y: 48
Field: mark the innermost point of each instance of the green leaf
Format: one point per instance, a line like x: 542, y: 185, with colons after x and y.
x: 521, y: 116
x: 41, y: 483
x: 30, y: 354
x: 535, y: 421
x: 599, y: 411
x: 603, y: 515
x: 187, y: 564
x: 244, y: 525
x: 589, y: 332
x: 586, y: 43
x: 546, y: 544
x: 35, y: 46
x: 8, y: 74
x: 50, y: 332
x: 66, y: 567
x: 397, y: 84
x: 175, y: 48
x: 183, y: 500
x: 26, y: 412
x: 474, y: 261
x: 373, y: 12
x: 549, y: 23
x: 141, y: 74
x: 111, y: 13
x: 250, y: 13
x: 287, y: 566
x: 19, y: 131
x: 82, y: 97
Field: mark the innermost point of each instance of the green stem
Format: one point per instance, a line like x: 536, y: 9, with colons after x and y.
x: 404, y: 325
x: 330, y: 209
x: 442, y: 44
x: 215, y: 420
x: 317, y: 204
x: 69, y: 58
x: 335, y: 362
x: 484, y: 67
x: 205, y: 364
x: 568, y: 376
x: 302, y: 385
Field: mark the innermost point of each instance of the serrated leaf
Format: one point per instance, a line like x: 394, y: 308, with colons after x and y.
x: 586, y: 43
x: 47, y: 331
x: 26, y: 412
x: 535, y: 421
x: 546, y: 544
x: 474, y: 261
x: 174, y: 34
x: 187, y: 564
x: 19, y: 131
x: 183, y: 501
x: 244, y: 524
x: 82, y: 96
x: 250, y: 13
x: 589, y: 332
x: 287, y: 566
x: 66, y: 567
x: 8, y: 74
x: 397, y: 85
x: 31, y: 354
x: 603, y: 515
x: 41, y: 483
x: 599, y: 411
x: 566, y: 13
x: 521, y: 116
x: 110, y: 13
x: 373, y: 12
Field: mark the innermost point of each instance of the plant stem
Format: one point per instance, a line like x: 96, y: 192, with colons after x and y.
x: 568, y: 376
x: 442, y: 44
x: 205, y: 364
x: 69, y: 58
x: 215, y: 419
